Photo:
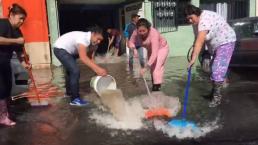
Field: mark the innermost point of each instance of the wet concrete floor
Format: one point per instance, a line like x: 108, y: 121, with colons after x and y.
x: 62, y: 124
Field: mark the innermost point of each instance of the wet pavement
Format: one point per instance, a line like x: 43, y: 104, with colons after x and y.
x: 62, y: 124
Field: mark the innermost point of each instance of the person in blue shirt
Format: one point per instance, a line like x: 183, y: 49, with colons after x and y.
x: 128, y: 33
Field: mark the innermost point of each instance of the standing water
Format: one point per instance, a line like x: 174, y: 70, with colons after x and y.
x: 129, y: 114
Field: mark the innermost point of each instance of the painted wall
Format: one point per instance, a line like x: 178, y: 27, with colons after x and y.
x: 252, y: 10
x: 35, y: 26
x: 35, y: 30
x: 53, y: 24
x: 256, y: 7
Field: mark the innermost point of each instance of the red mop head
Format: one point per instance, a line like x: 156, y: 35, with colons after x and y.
x: 39, y: 101
x: 158, y: 112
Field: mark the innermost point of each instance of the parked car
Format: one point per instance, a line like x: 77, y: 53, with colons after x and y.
x: 246, y: 49
x: 20, y: 77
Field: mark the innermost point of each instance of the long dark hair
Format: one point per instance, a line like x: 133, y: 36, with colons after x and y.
x: 192, y: 10
x: 143, y: 22
x: 16, y: 9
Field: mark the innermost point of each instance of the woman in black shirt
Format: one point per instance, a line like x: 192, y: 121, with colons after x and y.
x: 11, y: 40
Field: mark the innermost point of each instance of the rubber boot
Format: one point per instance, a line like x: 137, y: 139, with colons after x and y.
x: 4, y: 116
x: 156, y: 87
x: 217, y: 88
x: 210, y: 95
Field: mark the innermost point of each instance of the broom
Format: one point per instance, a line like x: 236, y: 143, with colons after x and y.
x: 39, y: 103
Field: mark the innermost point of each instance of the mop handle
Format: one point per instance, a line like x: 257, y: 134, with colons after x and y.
x: 146, y: 85
x: 186, y: 93
x: 26, y: 59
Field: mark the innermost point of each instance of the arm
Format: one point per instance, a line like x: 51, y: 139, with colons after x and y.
x: 126, y: 33
x: 155, y: 44
x: 92, y: 55
x: 110, y: 40
x: 197, y: 46
x: 10, y: 41
x: 88, y: 61
x: 4, y: 27
x: 132, y: 41
x: 24, y: 58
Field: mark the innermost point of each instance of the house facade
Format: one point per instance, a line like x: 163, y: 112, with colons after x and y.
x: 48, y: 19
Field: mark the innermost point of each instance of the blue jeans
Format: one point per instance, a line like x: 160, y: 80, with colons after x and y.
x: 140, y: 55
x: 72, y: 72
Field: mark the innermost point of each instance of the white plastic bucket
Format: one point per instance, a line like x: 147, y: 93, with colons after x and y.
x: 102, y: 83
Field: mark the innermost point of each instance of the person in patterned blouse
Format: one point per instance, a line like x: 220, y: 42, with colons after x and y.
x: 220, y: 38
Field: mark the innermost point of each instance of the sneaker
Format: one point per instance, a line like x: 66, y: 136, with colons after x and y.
x: 215, y: 101
x: 78, y: 102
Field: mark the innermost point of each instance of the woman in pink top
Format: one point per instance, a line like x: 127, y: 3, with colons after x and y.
x: 157, y: 49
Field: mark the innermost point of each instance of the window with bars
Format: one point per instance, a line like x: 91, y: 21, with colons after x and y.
x: 164, y: 15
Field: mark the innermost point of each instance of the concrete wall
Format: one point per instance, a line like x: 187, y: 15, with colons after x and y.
x: 39, y: 53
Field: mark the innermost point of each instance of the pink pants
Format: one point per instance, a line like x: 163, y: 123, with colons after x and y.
x: 221, y: 61
x: 158, y: 67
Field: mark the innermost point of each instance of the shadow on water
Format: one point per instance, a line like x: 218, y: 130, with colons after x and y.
x: 68, y: 125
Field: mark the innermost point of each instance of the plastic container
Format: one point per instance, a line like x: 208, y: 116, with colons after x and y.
x: 102, y: 83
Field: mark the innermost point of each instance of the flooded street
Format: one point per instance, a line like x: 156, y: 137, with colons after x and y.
x: 234, y: 122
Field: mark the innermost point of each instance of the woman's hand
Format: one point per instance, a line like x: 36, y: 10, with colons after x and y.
x: 20, y: 40
x: 197, y: 47
x: 26, y: 65
x: 190, y: 64
x: 142, y: 71
x: 101, y: 72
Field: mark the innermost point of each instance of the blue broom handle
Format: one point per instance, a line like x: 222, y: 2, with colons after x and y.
x: 186, y: 93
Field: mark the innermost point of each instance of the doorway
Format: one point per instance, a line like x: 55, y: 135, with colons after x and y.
x: 79, y: 17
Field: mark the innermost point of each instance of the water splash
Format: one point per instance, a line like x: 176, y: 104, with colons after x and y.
x: 129, y: 114
x: 186, y: 132
x: 124, y: 114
